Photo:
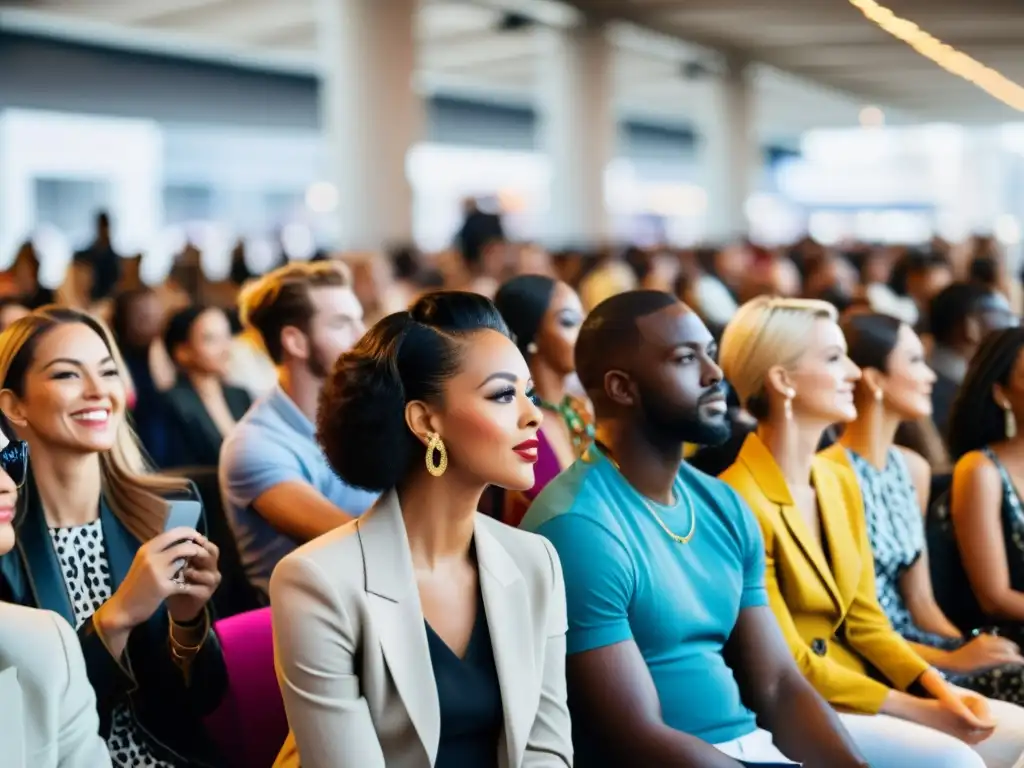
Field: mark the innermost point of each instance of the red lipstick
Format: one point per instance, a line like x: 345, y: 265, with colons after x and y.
x: 527, y: 450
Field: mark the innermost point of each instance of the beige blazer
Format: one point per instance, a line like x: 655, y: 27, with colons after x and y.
x: 352, y: 655
x: 47, y: 706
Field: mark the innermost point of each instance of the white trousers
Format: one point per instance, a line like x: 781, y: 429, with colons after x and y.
x: 887, y: 742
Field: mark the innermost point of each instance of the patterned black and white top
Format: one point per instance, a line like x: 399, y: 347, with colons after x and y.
x: 896, y: 530
x: 83, y: 564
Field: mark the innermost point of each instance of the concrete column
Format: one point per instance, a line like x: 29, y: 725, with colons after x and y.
x: 578, y: 131
x: 730, y: 156
x: 371, y: 115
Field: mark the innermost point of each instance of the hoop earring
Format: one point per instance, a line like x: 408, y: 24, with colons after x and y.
x: 788, y: 407
x: 435, y: 443
x: 1010, y: 424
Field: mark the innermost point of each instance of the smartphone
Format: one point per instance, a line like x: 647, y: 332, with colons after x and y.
x: 182, y: 514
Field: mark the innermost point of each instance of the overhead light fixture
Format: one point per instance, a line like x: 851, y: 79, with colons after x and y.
x: 946, y: 56
x: 872, y: 117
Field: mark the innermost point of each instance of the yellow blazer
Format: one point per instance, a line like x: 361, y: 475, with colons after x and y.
x: 830, y: 616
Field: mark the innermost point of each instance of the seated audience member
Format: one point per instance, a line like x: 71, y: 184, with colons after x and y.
x: 49, y: 710
x: 92, y: 545
x: 10, y: 310
x: 201, y: 409
x: 425, y: 633
x: 987, y: 442
x: 787, y: 360
x: 958, y: 319
x: 544, y: 317
x: 277, y: 486
x: 138, y: 321
x: 670, y: 635
x: 894, y: 484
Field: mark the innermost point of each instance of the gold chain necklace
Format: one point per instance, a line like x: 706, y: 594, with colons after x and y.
x: 681, y: 492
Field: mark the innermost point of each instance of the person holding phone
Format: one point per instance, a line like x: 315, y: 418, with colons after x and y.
x: 94, y: 549
x: 42, y: 673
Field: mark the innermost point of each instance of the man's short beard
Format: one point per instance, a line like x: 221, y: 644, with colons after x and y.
x: 684, y: 426
x: 317, y: 365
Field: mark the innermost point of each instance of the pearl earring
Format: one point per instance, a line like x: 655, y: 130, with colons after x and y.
x: 790, y: 394
x: 531, y: 348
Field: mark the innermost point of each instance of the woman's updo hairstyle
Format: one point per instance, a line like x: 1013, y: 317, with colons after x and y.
x: 871, y: 337
x: 763, y: 333
x: 523, y: 301
x: 404, y: 357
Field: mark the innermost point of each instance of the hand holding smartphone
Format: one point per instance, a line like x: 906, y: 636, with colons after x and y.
x: 182, y: 514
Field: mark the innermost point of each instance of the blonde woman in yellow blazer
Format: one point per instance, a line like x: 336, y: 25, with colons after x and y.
x: 787, y: 361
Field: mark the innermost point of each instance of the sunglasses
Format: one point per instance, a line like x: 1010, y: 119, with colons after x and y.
x: 14, y: 461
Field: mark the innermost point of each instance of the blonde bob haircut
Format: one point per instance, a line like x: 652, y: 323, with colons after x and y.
x: 764, y: 333
x: 133, y: 492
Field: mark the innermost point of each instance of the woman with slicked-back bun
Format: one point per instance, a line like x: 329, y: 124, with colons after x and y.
x: 424, y: 634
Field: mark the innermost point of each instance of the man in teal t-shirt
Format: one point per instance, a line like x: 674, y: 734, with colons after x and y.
x: 670, y: 635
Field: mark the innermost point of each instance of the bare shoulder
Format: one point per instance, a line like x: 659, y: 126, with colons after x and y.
x: 976, y: 469
x: 917, y: 465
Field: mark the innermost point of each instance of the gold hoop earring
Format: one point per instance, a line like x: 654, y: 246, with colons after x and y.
x: 435, y: 443
x: 1011, y: 423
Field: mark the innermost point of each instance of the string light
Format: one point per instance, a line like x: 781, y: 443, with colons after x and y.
x: 943, y: 54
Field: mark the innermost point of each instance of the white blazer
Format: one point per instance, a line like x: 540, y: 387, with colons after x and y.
x: 353, y: 660
x: 47, y: 706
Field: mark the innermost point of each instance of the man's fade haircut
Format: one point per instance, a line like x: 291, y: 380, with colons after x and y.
x: 610, y: 330
x: 281, y: 298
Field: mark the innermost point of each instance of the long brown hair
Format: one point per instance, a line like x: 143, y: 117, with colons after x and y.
x: 134, y: 493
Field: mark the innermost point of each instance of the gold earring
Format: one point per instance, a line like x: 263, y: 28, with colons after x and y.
x: 1011, y: 422
x: 435, y: 443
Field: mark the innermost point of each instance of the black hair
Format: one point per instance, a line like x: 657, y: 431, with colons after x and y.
x: 871, y: 337
x: 975, y: 419
x: 951, y: 307
x: 984, y: 270
x: 913, y: 263
x: 610, y: 329
x: 122, y: 311
x: 179, y: 326
x: 523, y: 302
x: 405, y: 356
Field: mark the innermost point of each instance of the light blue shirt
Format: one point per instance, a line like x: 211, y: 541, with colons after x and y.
x: 275, y: 443
x: 626, y: 579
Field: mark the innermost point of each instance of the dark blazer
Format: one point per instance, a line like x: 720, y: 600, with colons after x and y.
x: 193, y: 440
x: 166, y: 706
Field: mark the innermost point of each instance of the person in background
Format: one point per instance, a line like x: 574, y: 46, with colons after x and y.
x: 200, y: 408
x: 138, y: 321
x: 958, y: 319
x: 478, y: 229
x: 102, y: 259
x: 49, y: 709
x: 425, y: 633
x: 11, y: 309
x: 921, y: 276
x: 544, y: 317
x: 670, y: 638
x: 986, y: 434
x: 788, y: 361
x: 894, y: 484
x: 24, y: 274
x: 278, y: 490
x: 93, y: 547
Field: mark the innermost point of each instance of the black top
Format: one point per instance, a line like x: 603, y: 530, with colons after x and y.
x: 193, y: 439
x: 472, y: 716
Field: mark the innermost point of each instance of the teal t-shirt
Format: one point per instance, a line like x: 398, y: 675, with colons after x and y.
x: 626, y: 579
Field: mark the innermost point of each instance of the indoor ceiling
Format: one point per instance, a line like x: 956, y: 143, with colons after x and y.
x: 820, y: 61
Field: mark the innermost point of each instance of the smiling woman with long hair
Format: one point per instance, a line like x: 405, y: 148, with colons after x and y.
x: 424, y: 633
x: 92, y: 545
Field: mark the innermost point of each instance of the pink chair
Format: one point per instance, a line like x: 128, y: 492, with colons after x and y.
x: 250, y: 725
